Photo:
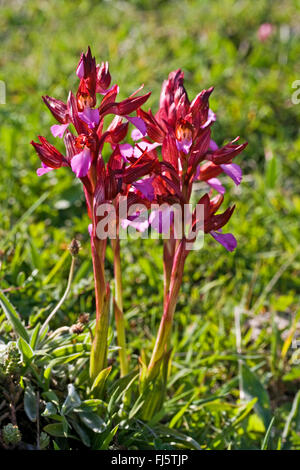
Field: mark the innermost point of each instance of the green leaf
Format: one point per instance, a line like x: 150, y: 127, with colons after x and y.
x: 101, y: 378
x: 92, y: 421
x: 35, y: 336
x: 56, y: 268
x: 56, y: 446
x: 294, y: 374
x: 267, y: 436
x: 13, y: 317
x: 182, y: 410
x: 253, y: 388
x: 64, y: 359
x: 21, y: 278
x: 242, y: 414
x: 51, y: 395
x: 82, y: 433
x: 70, y: 349
x: 50, y: 409
x: 109, y: 438
x: 25, y: 350
x: 119, y: 388
x: 72, y: 401
x: 136, y: 407
x: 272, y: 172
x: 30, y: 403
x: 55, y: 429
x: 187, y: 440
x: 293, y: 413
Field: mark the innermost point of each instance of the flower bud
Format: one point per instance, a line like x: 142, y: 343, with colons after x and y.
x: 57, y: 107
x: 103, y: 77
x: 48, y: 154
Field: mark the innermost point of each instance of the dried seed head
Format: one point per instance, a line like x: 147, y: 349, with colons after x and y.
x: 74, y: 247
x: 77, y: 328
x: 84, y: 318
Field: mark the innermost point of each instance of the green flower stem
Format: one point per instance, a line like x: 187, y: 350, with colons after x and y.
x: 119, y: 316
x: 154, y: 379
x: 98, y: 357
x: 162, y: 344
x: 168, y: 258
x: 98, y: 249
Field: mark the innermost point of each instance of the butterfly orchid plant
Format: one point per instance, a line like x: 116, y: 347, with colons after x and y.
x: 172, y: 152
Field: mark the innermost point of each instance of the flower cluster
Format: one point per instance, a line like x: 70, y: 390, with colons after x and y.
x: 183, y: 131
x: 171, y: 150
x: 181, y: 128
x: 83, y: 149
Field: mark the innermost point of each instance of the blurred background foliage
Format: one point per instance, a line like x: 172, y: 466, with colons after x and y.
x: 215, y: 43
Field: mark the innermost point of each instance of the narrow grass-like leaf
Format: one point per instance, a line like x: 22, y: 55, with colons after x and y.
x: 264, y: 445
x: 101, y: 378
x: 70, y: 349
x: 189, y: 442
x: 35, y: 336
x: 291, y: 416
x: 109, y: 438
x: 13, y: 317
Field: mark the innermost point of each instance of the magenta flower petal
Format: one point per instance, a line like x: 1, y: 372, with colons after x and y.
x: 81, y: 163
x: 184, y: 145
x: 216, y: 184
x: 143, y: 146
x: 103, y: 92
x: 139, y: 221
x: 225, y: 239
x: 90, y: 229
x: 145, y: 187
x: 136, y: 135
x: 43, y: 170
x: 90, y: 116
x: 161, y: 219
x: 138, y: 123
x: 234, y: 171
x: 58, y: 130
x: 212, y: 145
x: 80, y: 69
x: 197, y: 173
x: 210, y: 118
x: 126, y: 150
x: 140, y: 225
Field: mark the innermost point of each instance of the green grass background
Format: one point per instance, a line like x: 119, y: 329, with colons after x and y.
x: 215, y: 43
